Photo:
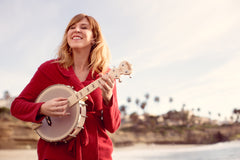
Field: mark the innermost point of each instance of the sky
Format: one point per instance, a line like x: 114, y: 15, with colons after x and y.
x: 187, y: 50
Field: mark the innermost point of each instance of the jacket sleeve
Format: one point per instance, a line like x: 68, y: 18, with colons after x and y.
x: 111, y: 113
x: 24, y: 106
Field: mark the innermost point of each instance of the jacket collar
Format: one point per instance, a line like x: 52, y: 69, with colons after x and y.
x: 68, y: 72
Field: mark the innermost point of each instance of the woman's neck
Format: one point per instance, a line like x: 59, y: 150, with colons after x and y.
x: 80, y: 59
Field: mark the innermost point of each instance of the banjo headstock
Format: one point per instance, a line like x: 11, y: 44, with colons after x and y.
x: 124, y: 68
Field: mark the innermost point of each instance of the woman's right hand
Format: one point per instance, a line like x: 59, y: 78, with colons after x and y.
x: 55, y: 107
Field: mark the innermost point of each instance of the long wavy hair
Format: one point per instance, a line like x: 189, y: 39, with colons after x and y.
x: 99, y: 57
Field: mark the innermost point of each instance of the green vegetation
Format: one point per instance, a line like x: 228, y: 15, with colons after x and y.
x: 4, y: 110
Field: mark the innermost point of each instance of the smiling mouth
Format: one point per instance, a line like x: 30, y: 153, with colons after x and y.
x: 76, y: 38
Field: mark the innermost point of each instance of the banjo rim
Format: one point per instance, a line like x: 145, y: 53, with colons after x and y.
x: 80, y: 107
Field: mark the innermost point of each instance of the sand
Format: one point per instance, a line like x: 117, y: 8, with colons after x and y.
x: 32, y: 154
x: 18, y: 155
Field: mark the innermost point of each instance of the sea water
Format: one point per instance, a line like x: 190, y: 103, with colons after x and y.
x: 219, y: 151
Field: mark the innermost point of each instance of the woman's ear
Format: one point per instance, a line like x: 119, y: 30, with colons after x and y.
x: 93, y: 42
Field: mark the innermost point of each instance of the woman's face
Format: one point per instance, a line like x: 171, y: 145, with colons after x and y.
x: 80, y: 35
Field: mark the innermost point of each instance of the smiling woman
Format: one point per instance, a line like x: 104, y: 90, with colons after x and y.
x: 80, y: 35
x: 83, y: 57
x: 85, y: 30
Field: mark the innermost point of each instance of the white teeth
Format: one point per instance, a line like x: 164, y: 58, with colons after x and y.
x: 77, y: 38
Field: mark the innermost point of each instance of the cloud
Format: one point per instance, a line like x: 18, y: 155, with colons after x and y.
x: 14, y: 82
x: 188, y: 48
x: 184, y: 31
x: 217, y: 90
x: 29, y: 36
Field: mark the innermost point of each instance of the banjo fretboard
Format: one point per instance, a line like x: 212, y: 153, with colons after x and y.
x: 124, y: 68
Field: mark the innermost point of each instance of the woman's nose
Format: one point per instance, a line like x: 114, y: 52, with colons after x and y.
x: 78, y: 29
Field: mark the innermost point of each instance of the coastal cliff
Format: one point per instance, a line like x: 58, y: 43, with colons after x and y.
x: 16, y: 134
x: 176, y: 135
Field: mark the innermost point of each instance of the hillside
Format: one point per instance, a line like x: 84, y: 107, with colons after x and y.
x: 175, y: 135
x: 174, y: 128
x: 16, y: 134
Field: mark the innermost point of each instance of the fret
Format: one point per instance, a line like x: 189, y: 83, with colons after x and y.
x: 85, y: 91
x: 124, y: 68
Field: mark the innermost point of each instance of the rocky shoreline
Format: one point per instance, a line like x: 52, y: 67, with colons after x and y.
x: 176, y: 135
x: 16, y: 134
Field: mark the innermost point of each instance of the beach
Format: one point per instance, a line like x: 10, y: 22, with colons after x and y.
x: 31, y: 154
x: 220, y: 151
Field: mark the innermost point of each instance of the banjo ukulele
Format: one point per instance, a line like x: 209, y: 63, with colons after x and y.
x: 63, y: 129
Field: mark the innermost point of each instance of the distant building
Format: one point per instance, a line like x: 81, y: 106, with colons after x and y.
x: 6, y: 102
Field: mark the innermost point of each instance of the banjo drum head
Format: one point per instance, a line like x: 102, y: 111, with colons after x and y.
x: 61, y: 127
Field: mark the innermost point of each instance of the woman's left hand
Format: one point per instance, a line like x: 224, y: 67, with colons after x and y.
x: 106, y: 85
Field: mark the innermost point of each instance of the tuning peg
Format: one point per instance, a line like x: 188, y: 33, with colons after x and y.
x: 119, y: 80
x: 130, y: 76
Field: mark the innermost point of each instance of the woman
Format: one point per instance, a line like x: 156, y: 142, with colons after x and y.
x: 82, y: 58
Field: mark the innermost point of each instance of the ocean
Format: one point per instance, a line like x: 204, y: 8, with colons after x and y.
x: 219, y: 151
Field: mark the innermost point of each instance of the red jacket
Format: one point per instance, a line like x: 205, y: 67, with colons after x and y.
x: 92, y: 143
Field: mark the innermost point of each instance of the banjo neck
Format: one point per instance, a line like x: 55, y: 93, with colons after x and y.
x: 123, y: 69
x: 82, y: 94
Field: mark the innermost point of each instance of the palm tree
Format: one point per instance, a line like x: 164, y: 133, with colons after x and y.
x: 198, y: 109
x: 122, y: 109
x: 183, y: 106
x: 129, y: 100
x: 147, y: 96
x: 237, y: 112
x: 210, y: 113
x: 143, y: 106
x: 231, y: 118
x: 157, y: 99
x: 170, y: 101
x: 137, y: 101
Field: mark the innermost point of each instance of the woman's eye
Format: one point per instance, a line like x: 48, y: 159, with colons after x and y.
x: 72, y: 27
x: 84, y: 27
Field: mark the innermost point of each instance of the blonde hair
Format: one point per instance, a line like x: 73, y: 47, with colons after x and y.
x: 99, y: 57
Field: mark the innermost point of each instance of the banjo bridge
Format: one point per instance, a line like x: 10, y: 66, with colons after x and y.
x: 72, y: 135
